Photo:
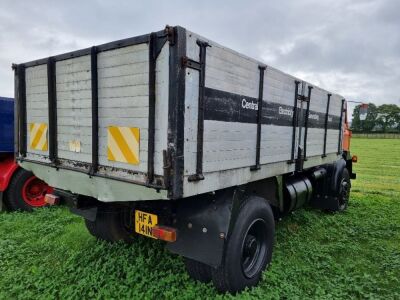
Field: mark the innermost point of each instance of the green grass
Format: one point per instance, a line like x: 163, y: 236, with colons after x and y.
x: 49, y: 254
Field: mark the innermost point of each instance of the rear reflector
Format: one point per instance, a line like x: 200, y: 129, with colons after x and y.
x: 354, y: 158
x: 51, y: 199
x: 164, y: 233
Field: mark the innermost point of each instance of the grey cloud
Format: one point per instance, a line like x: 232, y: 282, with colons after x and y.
x: 350, y: 47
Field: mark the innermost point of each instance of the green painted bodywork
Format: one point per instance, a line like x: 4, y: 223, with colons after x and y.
x: 103, y: 189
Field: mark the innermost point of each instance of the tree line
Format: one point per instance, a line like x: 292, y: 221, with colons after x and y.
x: 384, y: 118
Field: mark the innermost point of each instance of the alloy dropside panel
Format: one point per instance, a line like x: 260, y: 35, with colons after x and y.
x: 249, y: 129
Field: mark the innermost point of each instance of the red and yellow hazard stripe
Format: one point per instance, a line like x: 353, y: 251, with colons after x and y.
x: 123, y: 144
x: 38, y: 136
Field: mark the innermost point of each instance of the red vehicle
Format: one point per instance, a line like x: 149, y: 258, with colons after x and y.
x: 19, y: 188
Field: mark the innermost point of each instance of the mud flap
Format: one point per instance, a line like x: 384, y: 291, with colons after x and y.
x: 325, y: 195
x: 203, y: 227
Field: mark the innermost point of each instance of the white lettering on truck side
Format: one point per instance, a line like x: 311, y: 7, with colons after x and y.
x: 285, y: 111
x: 249, y: 105
x: 313, y: 116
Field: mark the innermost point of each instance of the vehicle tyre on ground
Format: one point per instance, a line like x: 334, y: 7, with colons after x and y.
x: 112, y: 224
x: 343, y: 192
x: 198, y: 271
x: 26, y: 192
x: 249, y: 247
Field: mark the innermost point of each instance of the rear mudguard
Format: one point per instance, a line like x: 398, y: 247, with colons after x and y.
x: 337, y: 174
x: 8, y: 167
x: 204, y: 224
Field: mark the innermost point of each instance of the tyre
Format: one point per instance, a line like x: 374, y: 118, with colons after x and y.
x: 343, y: 193
x: 26, y: 191
x: 197, y: 270
x: 249, y: 247
x: 112, y: 224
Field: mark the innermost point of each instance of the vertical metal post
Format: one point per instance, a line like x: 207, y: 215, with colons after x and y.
x: 176, y: 110
x: 21, y: 103
x: 200, y: 117
x: 294, y: 120
x: 52, y: 106
x: 152, y: 106
x: 339, y: 151
x: 259, y: 117
x: 306, y: 122
x: 326, y: 124
x: 95, y: 111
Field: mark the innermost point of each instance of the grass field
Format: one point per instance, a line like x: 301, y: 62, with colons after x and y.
x: 49, y: 254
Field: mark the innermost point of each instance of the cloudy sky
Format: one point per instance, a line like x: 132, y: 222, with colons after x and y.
x: 348, y: 47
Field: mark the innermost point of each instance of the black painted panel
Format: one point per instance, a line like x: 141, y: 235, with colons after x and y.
x: 229, y: 107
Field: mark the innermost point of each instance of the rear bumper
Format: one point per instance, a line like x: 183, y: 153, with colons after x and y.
x: 102, y: 189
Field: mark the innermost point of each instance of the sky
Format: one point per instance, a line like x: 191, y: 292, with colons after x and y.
x: 348, y: 47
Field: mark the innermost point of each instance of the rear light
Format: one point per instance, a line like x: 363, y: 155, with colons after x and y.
x: 164, y: 233
x: 354, y: 158
x: 51, y: 199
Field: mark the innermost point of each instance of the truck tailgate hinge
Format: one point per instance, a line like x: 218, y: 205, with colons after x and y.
x: 190, y: 63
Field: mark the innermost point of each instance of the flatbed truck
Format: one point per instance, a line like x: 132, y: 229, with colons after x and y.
x: 172, y: 136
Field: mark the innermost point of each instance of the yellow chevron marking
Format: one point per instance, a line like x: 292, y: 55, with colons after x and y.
x: 38, y: 136
x: 123, y: 144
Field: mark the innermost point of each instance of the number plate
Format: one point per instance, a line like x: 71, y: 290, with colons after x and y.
x: 144, y: 222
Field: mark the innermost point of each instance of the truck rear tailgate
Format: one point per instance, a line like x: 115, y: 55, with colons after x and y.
x: 89, y: 110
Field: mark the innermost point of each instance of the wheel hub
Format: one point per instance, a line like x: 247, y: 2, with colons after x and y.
x: 344, y: 192
x: 254, y: 249
x: 251, y: 245
x: 34, y: 191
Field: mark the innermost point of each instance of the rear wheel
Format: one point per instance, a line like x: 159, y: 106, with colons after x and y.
x: 198, y: 271
x: 249, y: 248
x: 26, y: 191
x: 112, y: 224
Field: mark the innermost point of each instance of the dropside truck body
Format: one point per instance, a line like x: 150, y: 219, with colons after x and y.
x: 176, y: 137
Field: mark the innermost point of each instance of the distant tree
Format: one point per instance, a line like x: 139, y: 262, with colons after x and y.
x: 388, y: 117
x: 369, y: 123
x: 356, y: 122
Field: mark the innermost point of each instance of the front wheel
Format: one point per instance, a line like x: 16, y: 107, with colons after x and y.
x: 342, y: 194
x: 249, y: 247
x: 344, y: 190
x: 26, y: 191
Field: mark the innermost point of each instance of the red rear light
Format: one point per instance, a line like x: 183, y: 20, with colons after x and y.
x: 164, y: 233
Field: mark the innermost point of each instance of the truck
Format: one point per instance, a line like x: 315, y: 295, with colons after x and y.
x: 172, y: 136
x: 19, y: 189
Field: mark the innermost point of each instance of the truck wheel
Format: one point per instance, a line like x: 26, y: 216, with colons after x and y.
x: 249, y: 247
x: 26, y: 191
x: 112, y: 224
x: 343, y: 194
x: 197, y: 270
